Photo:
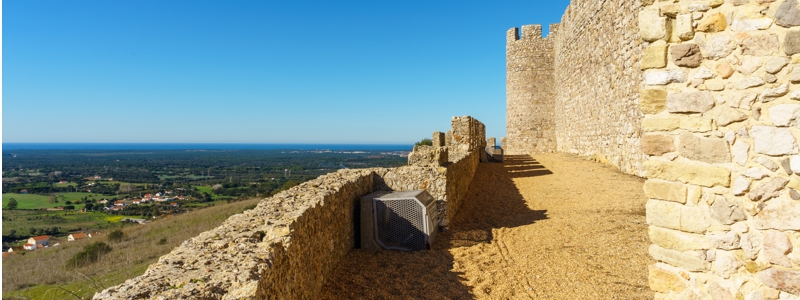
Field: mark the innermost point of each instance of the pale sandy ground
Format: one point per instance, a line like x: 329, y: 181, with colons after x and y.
x: 551, y: 226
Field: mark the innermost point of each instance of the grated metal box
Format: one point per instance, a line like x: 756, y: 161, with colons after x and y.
x: 404, y: 220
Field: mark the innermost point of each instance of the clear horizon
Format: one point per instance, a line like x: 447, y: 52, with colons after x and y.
x: 255, y: 72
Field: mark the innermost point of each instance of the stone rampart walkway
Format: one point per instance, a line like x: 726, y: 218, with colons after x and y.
x: 551, y: 226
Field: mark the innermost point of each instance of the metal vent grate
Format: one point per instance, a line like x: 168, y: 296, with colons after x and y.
x: 401, y: 224
x: 405, y: 220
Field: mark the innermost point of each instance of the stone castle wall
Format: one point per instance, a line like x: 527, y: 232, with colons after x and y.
x: 596, y: 79
x: 721, y: 127
x: 286, y: 247
x: 529, y: 91
x: 699, y: 97
x: 577, y: 90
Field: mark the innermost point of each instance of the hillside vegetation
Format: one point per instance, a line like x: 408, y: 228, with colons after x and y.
x: 43, y: 274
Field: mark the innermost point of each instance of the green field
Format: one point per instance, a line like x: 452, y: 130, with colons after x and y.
x: 120, y: 183
x: 64, y: 184
x: 34, y: 201
x: 23, y: 220
x: 130, y: 257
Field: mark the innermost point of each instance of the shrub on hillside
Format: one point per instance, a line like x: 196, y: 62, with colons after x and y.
x: 115, y: 236
x: 90, y: 254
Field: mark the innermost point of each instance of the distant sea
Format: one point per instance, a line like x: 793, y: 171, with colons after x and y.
x: 188, y: 146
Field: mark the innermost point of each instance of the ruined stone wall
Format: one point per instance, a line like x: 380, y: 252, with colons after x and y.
x: 467, y: 143
x: 529, y: 91
x: 596, y: 78
x: 287, y: 246
x: 721, y: 127
x: 282, y: 249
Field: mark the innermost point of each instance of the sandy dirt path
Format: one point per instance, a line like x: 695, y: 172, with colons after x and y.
x: 550, y: 226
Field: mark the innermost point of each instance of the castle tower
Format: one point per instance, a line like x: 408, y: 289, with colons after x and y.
x: 530, y: 95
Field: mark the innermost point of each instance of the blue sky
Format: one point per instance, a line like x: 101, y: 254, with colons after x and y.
x: 255, y: 71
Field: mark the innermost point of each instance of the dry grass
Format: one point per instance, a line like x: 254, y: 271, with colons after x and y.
x: 38, y: 274
x: 554, y: 226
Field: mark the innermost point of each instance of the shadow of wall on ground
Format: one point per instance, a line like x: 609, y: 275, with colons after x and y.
x: 492, y: 202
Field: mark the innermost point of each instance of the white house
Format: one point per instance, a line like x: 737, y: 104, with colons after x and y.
x: 37, y: 242
x: 77, y: 236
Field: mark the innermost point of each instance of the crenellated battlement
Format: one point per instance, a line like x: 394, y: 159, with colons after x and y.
x: 529, y: 90
x: 530, y: 33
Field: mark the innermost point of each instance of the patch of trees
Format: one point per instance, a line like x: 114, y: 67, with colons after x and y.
x: 90, y: 254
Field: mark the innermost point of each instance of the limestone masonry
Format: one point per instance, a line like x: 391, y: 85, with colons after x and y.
x: 701, y: 98
x: 287, y: 246
x: 576, y: 91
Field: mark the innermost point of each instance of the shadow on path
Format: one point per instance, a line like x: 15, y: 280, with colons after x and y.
x: 492, y: 202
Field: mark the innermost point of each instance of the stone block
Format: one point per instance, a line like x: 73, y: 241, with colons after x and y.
x: 686, y: 55
x: 660, y: 124
x: 694, y: 124
x: 755, y: 173
x: 654, y: 56
x: 794, y: 73
x: 786, y: 164
x: 743, y: 100
x: 664, y: 281
x: 768, y: 190
x: 652, y: 101
x: 740, y: 151
x: 439, y: 139
x: 769, y: 94
x: 690, y: 102
x: 664, y: 77
x: 767, y: 163
x: 740, y: 186
x: 778, y: 214
x: 794, y: 164
x: 693, y: 219
x: 726, y: 241
x: 776, y: 64
x: 776, y: 246
x: 428, y: 156
x: 663, y: 214
x: 713, y: 23
x: 726, y: 264
x: 788, y: 15
x: 751, y: 244
x: 710, y: 150
x: 783, y: 115
x: 773, y: 141
x: 657, y: 144
x: 715, y: 46
x: 791, y: 42
x: 652, y: 26
x: 665, y: 190
x: 702, y: 175
x: 749, y: 82
x: 765, y: 44
x: 677, y: 240
x: 780, y: 279
x: 749, y: 65
x: 726, y: 212
x: 750, y: 21
x: 724, y: 69
x: 725, y: 115
x: 683, y: 28
x: 678, y: 259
